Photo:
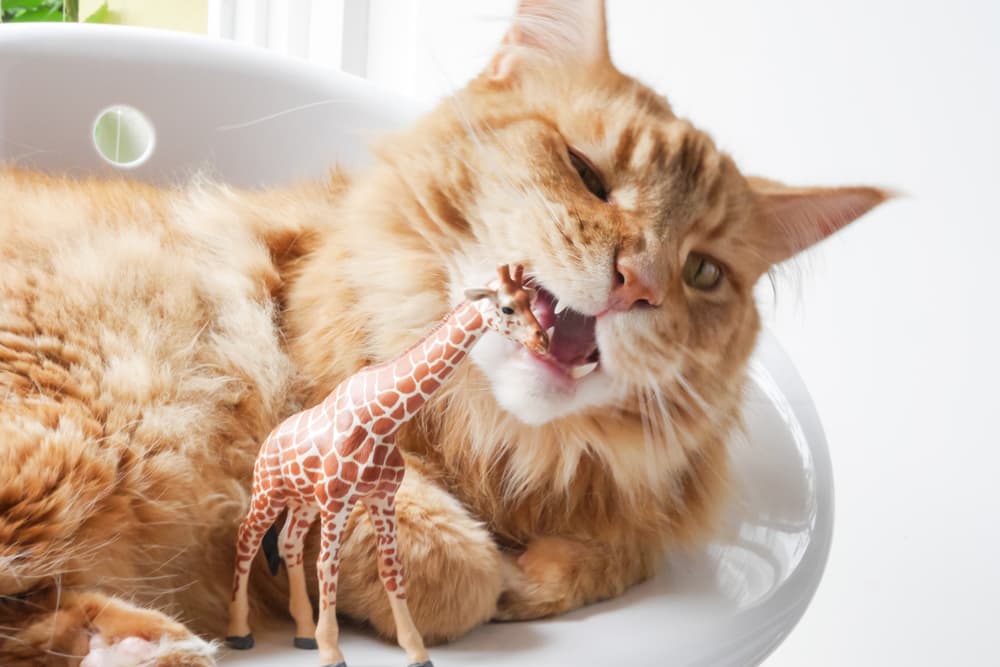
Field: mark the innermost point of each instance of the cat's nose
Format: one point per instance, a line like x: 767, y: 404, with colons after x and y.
x: 633, y: 288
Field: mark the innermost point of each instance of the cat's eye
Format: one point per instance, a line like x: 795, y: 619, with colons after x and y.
x: 507, y: 310
x: 701, y: 273
x: 588, y: 174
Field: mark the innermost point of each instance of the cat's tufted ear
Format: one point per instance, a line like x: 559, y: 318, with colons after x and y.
x: 788, y: 220
x: 572, y: 32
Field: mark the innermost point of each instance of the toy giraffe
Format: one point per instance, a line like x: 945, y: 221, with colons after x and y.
x: 323, y: 461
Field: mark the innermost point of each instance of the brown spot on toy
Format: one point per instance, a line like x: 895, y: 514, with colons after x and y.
x: 394, y: 459
x: 331, y: 465
x: 364, y: 452
x: 337, y: 488
x: 388, y: 398
x: 351, y: 442
x: 383, y: 426
x: 349, y: 471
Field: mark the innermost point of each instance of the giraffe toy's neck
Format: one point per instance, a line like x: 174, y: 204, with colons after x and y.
x: 399, y: 388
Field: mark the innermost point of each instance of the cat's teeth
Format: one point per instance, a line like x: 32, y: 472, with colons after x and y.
x: 559, y: 307
x: 582, y: 371
x: 551, y: 331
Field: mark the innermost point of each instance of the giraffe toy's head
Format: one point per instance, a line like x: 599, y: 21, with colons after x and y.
x: 507, y: 310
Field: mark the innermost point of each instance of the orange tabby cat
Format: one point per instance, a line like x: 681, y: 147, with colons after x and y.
x: 150, y: 339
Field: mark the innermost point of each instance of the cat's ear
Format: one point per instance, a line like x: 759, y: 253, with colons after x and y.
x: 571, y: 32
x: 788, y: 220
x: 475, y: 294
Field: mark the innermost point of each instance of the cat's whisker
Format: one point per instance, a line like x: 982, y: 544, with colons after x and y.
x: 668, y: 423
x: 664, y: 438
x: 59, y: 592
x: 644, y: 414
x: 693, y: 393
x: 278, y: 114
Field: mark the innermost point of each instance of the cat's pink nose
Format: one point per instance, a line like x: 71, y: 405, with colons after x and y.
x: 633, y: 289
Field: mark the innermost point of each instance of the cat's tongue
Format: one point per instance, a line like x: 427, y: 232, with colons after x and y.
x: 573, y: 342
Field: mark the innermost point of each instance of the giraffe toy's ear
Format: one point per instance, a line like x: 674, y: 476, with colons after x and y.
x: 480, y: 293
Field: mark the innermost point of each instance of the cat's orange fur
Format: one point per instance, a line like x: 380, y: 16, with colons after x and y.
x: 149, y: 340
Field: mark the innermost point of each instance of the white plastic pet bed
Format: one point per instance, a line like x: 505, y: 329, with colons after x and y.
x: 175, y: 104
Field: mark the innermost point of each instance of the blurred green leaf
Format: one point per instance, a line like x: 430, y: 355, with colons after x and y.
x: 24, y: 11
x: 43, y: 14
x: 100, y: 14
x: 14, y: 5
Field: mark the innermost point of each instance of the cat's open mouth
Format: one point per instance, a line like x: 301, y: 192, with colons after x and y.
x: 573, y: 348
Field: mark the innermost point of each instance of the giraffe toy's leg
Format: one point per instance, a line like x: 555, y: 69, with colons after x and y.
x: 383, y: 515
x: 328, y: 566
x: 268, y: 501
x: 290, y: 546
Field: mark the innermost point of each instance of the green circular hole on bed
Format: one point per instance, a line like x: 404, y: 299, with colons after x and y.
x: 123, y: 136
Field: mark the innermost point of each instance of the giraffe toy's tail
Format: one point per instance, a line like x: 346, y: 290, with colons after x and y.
x: 270, y: 546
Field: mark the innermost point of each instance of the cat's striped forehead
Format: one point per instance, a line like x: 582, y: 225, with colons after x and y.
x: 648, y: 157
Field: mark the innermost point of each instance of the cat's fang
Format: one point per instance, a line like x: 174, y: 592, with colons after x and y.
x: 558, y: 307
x: 551, y: 331
x: 579, y: 372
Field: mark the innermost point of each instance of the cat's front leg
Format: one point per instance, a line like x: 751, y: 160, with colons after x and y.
x: 554, y: 575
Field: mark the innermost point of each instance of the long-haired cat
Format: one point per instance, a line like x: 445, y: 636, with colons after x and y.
x: 149, y: 339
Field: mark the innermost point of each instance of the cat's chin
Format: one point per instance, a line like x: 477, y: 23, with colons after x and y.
x: 531, y: 389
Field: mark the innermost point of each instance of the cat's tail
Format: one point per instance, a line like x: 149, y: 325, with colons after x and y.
x: 270, y: 546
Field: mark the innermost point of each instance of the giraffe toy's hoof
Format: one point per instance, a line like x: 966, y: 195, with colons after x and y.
x: 240, y: 643
x: 425, y: 663
x: 339, y: 664
x: 305, y: 643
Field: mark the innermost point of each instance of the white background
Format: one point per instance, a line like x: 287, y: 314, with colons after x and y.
x: 893, y: 323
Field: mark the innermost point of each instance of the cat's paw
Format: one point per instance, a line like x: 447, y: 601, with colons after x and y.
x: 139, y: 652
x: 541, y: 581
x: 125, y: 653
x: 124, y: 635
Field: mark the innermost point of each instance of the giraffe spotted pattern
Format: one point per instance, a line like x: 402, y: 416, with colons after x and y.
x: 322, y: 461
